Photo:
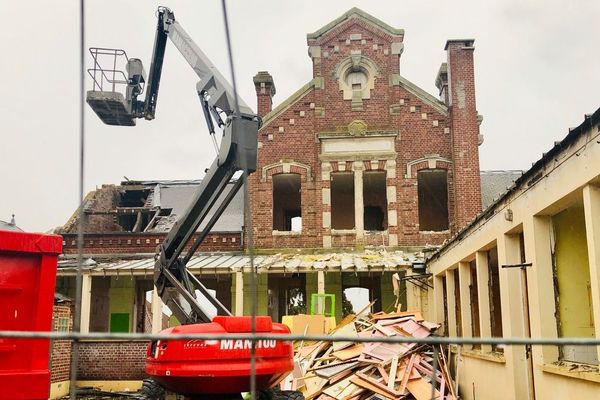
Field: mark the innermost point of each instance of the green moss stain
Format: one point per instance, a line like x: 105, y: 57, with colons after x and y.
x: 573, y: 274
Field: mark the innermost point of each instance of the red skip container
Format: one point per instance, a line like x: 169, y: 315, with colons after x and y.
x: 27, y: 282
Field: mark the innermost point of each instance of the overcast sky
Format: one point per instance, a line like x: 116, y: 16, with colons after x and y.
x: 536, y: 67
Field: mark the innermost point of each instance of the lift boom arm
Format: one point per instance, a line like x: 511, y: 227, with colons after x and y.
x: 175, y: 284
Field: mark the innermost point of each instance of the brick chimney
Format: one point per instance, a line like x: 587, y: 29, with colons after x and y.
x: 265, y: 90
x: 465, y: 130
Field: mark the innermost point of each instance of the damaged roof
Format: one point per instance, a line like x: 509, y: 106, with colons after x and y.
x: 213, y: 263
x: 148, y: 206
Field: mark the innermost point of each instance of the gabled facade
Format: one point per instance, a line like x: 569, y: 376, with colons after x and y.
x: 360, y: 156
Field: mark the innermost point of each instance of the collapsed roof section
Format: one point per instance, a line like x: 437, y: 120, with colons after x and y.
x: 147, y: 206
x: 226, y: 263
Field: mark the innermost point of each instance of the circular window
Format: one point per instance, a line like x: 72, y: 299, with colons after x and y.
x: 357, y: 79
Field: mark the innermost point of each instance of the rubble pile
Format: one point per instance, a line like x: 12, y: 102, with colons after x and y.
x: 361, y: 371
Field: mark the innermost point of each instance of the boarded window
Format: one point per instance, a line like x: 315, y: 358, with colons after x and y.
x: 375, y: 201
x: 342, y: 200
x: 433, y: 199
x: 287, y: 208
x: 494, y: 291
x: 572, y: 277
x: 474, y: 297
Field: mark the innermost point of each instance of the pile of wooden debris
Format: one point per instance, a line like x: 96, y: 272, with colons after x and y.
x: 361, y: 371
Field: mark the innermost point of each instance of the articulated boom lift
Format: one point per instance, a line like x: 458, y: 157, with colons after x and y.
x: 195, y: 368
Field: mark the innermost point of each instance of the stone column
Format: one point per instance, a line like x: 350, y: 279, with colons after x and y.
x: 451, y: 303
x: 359, y: 208
x: 513, y: 315
x: 239, y: 293
x: 538, y: 248
x: 156, y: 311
x: 591, y: 205
x: 483, y: 297
x: 438, y: 298
x: 464, y: 276
x: 86, y: 301
x: 320, y: 290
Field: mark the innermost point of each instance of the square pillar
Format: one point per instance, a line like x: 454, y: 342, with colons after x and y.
x: 359, y: 207
x: 239, y: 293
x: 538, y: 249
x: 591, y: 206
x: 451, y: 303
x: 514, y: 315
x: 438, y: 300
x: 320, y: 290
x: 483, y: 297
x: 86, y: 301
x: 464, y: 277
x: 156, y: 311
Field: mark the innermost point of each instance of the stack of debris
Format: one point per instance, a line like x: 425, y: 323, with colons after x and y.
x: 361, y: 371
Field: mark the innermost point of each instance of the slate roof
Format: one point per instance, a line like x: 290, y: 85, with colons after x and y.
x: 177, y: 195
x: 495, y: 183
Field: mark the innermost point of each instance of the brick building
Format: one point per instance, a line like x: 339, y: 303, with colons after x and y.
x: 362, y: 155
x: 358, y: 171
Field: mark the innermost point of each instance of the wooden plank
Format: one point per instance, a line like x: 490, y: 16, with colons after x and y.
x: 347, y: 330
x: 340, y: 376
x: 393, y: 369
x: 313, y: 385
x: 383, y: 373
x: 407, y: 374
x: 369, y: 386
x: 380, y: 385
x: 421, y: 390
x: 343, y: 386
x: 335, y: 369
x: 446, y: 375
x: 350, y: 352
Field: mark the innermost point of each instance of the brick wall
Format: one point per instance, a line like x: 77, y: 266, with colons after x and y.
x: 112, y: 360
x: 123, y: 243
x: 61, y: 349
x: 424, y: 131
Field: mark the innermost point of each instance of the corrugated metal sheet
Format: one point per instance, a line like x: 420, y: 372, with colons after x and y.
x: 229, y: 262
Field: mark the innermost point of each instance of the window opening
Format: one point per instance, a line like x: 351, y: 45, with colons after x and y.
x: 375, y: 201
x: 342, y: 200
x: 133, y: 198
x: 572, y: 277
x: 358, y: 297
x: 286, y: 295
x: 287, y: 210
x: 433, y: 199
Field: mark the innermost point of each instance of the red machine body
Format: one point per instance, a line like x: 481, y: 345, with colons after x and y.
x: 27, y: 281
x: 199, y: 367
